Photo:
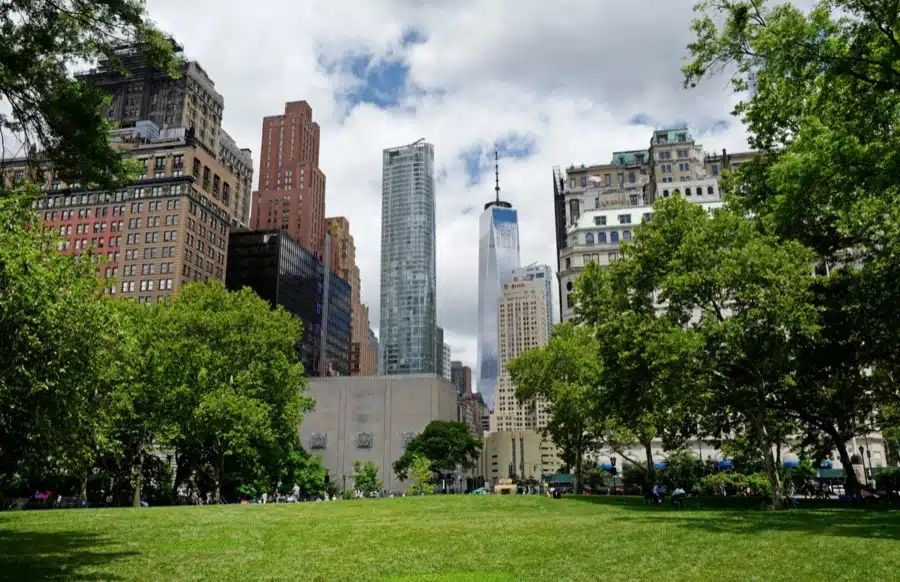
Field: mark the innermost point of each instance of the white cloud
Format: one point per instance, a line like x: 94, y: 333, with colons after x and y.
x: 570, y: 73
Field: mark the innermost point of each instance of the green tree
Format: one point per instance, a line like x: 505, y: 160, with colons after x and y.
x: 825, y: 117
x: 53, y: 342
x: 367, y: 479
x: 422, y: 475
x: 447, y: 445
x: 51, y: 111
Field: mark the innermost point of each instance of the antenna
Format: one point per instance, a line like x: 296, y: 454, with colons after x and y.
x: 496, y: 174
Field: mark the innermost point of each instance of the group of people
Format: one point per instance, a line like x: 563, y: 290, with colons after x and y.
x: 657, y: 495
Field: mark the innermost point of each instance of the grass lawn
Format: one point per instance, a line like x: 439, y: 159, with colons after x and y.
x: 452, y: 538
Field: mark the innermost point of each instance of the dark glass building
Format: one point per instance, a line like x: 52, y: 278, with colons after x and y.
x: 283, y: 273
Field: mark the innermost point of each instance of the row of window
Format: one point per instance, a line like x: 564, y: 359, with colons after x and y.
x: 601, y: 237
x: 688, y: 192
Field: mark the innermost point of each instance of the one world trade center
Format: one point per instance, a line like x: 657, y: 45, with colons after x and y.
x: 498, y: 257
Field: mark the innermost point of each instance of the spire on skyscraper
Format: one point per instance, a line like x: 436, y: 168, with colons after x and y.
x: 496, y: 174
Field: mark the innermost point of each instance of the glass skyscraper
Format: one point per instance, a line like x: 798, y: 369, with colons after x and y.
x: 408, y: 280
x: 498, y: 258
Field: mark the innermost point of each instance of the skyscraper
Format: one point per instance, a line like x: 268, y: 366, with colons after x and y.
x: 498, y: 257
x: 291, y: 192
x: 408, y: 279
x: 542, y: 275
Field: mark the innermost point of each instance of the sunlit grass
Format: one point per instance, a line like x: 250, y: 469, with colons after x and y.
x: 451, y: 539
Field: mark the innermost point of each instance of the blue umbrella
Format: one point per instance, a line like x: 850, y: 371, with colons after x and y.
x: 606, y: 466
x: 791, y: 464
x: 659, y: 465
x: 725, y: 464
x: 826, y: 465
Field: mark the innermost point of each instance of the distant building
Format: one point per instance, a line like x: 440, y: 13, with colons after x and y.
x: 518, y: 454
x: 445, y: 361
x: 407, y: 325
x: 283, y: 273
x: 439, y: 351
x: 372, y: 418
x: 461, y: 376
x: 542, y: 275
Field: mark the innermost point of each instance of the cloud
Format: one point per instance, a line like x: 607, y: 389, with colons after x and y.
x: 548, y: 83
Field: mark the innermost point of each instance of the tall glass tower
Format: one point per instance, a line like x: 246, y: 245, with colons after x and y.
x: 408, y: 281
x: 498, y: 258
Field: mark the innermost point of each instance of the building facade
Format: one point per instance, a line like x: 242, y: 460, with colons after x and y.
x: 445, y: 361
x: 461, y: 376
x: 598, y: 206
x: 542, y: 275
x: 498, y: 258
x: 521, y: 318
x: 239, y: 162
x: 290, y: 195
x: 407, y: 326
x: 168, y: 228
x: 362, y: 356
x: 523, y: 455
x: 283, y: 273
x: 372, y: 418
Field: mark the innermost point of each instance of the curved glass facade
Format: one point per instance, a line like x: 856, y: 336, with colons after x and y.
x: 498, y: 258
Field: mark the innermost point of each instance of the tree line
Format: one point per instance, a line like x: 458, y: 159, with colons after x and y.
x: 776, y: 317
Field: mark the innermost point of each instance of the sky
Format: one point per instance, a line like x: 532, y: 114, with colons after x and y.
x: 551, y: 83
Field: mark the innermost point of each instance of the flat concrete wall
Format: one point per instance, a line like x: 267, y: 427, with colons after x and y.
x: 369, y: 418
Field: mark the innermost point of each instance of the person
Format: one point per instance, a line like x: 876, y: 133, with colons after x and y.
x: 657, y: 494
x: 296, y: 491
x: 264, y: 497
x: 678, y: 496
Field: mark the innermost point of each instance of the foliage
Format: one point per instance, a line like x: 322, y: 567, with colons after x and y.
x: 421, y: 474
x: 54, y: 336
x: 446, y: 445
x: 564, y: 376
x: 367, y: 479
x: 50, y: 110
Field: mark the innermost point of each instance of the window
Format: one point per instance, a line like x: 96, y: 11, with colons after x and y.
x: 196, y: 168
x: 160, y: 163
x: 584, y: 181
x: 715, y: 170
x: 684, y: 167
x: 614, y: 237
x: 687, y: 191
x: 601, y: 238
x: 600, y: 221
x: 226, y: 192
x: 709, y: 190
x: 178, y: 161
x: 151, y: 237
x: 589, y: 239
x: 165, y: 268
x: 648, y: 216
x: 624, y: 219
x: 147, y: 285
x: 148, y: 269
x: 612, y: 257
x: 621, y: 179
x: 626, y: 235
x: 170, y: 236
x: 172, y: 220
x: 127, y: 286
x: 631, y: 178
x: 568, y: 262
x: 137, y: 207
x: 149, y: 254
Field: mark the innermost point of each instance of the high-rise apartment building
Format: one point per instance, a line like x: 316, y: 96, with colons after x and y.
x: 521, y: 319
x: 291, y: 192
x: 362, y: 358
x: 598, y: 206
x: 542, y: 275
x: 407, y: 325
x: 445, y: 360
x: 283, y: 273
x: 239, y: 162
x: 498, y: 257
x: 461, y: 376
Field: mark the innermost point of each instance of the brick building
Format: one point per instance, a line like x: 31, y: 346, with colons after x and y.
x: 291, y: 191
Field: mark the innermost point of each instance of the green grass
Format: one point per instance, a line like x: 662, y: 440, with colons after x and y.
x: 454, y: 538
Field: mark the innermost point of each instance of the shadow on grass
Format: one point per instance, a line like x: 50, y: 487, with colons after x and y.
x: 746, y: 516
x: 29, y: 555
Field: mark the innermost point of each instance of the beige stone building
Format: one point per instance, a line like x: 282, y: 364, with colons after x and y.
x: 371, y: 418
x: 362, y: 357
x: 523, y: 454
x: 521, y: 318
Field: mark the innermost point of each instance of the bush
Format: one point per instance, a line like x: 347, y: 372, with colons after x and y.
x: 348, y: 494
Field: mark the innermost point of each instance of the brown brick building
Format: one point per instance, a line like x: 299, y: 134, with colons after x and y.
x: 166, y: 229
x: 363, y: 359
x: 291, y: 191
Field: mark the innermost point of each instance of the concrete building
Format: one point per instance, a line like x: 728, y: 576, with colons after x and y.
x: 520, y: 454
x: 542, y: 275
x: 239, y: 162
x: 283, y: 273
x: 598, y: 206
x: 445, y: 361
x: 407, y: 325
x: 498, y: 257
x: 168, y: 228
x: 521, y: 317
x: 362, y: 356
x: 146, y: 93
x: 461, y: 376
x: 291, y: 191
x: 372, y: 418
x: 439, y: 351
x: 376, y: 348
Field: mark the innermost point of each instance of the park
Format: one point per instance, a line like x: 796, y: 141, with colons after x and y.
x: 455, y: 538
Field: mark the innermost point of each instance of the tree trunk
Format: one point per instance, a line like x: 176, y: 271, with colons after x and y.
x: 82, y: 495
x: 651, y: 474
x: 775, y: 485
x: 851, y: 485
x: 136, y: 478
x: 220, y: 470
x: 578, y: 465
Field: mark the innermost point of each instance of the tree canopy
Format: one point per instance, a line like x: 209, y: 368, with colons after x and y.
x: 446, y: 445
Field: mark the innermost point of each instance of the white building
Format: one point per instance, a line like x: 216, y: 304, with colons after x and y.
x: 542, y: 275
